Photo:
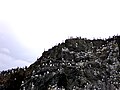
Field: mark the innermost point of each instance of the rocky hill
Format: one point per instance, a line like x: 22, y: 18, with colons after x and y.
x: 76, y: 64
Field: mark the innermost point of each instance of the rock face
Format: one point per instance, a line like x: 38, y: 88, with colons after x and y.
x: 77, y: 64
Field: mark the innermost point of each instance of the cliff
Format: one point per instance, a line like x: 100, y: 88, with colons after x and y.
x: 76, y: 64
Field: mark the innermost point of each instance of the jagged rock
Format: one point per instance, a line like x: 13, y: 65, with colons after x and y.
x: 77, y: 64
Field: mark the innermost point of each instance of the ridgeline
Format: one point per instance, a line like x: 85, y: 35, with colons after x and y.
x: 76, y: 64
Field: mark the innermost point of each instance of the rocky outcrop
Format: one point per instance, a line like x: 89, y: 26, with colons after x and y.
x: 77, y: 64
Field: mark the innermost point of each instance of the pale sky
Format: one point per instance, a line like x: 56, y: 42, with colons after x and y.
x: 27, y: 27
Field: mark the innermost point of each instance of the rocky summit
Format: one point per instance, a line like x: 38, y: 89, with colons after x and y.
x: 76, y: 64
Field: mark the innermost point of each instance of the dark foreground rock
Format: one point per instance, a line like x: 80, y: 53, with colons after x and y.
x: 77, y: 64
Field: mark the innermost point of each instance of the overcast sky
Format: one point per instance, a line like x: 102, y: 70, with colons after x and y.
x: 27, y: 27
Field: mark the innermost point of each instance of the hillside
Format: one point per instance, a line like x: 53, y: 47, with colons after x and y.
x: 76, y: 64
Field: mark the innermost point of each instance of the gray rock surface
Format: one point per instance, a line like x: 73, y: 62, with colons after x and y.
x: 77, y: 64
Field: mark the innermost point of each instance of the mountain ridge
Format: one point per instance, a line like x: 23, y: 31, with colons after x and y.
x: 76, y: 64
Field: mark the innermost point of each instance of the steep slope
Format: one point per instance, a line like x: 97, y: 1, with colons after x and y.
x: 77, y: 64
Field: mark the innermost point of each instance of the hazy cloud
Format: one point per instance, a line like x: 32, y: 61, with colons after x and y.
x: 4, y: 50
x: 8, y: 62
x: 12, y: 53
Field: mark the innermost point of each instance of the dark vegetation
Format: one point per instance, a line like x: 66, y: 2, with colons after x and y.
x: 77, y: 64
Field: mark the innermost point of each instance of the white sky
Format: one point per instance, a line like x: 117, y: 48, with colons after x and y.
x: 39, y: 24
